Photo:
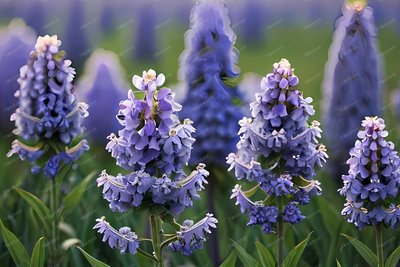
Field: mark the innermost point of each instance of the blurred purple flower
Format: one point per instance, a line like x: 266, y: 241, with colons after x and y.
x: 352, y: 87
x: 16, y: 42
x: 208, y: 68
x: 102, y: 82
x: 145, y: 35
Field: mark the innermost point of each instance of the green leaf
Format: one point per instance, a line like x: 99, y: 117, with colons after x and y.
x: 230, y: 261
x: 394, y: 258
x: 38, y: 206
x: 74, y: 197
x: 38, y: 253
x: 93, y: 261
x: 338, y: 263
x: 15, y: 247
x: 265, y: 255
x: 294, y: 255
x: 245, y: 258
x: 364, y: 251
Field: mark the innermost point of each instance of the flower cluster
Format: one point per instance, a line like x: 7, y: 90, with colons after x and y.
x: 207, y: 68
x: 154, y: 146
x: 279, y: 150
x: 373, y: 180
x: 352, y: 82
x: 48, y: 119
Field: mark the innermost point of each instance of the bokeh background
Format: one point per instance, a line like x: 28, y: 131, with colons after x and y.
x: 109, y: 41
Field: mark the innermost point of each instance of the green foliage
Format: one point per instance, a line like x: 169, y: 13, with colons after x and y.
x: 266, y: 257
x: 38, y: 253
x: 245, y: 258
x: 15, y: 247
x: 294, y: 255
x: 394, y: 258
x: 365, y: 252
x: 93, y: 261
x: 230, y: 260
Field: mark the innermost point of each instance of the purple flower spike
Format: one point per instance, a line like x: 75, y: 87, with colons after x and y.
x: 207, y: 70
x: 352, y: 83
x: 279, y: 149
x: 124, y: 239
x: 372, y: 183
x: 49, y: 114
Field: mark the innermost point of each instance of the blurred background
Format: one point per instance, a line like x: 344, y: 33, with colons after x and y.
x: 109, y: 41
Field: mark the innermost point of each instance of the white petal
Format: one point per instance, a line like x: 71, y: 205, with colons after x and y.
x: 160, y: 79
x: 137, y: 82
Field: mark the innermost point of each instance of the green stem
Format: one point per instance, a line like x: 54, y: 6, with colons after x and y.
x: 280, y: 235
x: 379, y: 245
x: 147, y: 255
x: 53, y: 208
x: 156, y: 237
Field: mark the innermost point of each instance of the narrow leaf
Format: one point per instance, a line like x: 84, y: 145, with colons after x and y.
x: 15, y: 247
x: 338, y: 263
x: 294, y: 255
x: 74, y: 197
x: 394, y: 258
x: 230, y: 261
x: 38, y: 206
x: 245, y: 258
x: 364, y: 251
x: 93, y: 261
x: 38, y: 253
x: 265, y: 255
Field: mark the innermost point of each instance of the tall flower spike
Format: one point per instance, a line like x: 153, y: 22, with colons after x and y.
x: 352, y: 84
x: 49, y: 114
x: 76, y: 38
x: 372, y: 183
x: 145, y: 34
x: 102, y: 81
x: 17, y: 41
x: 279, y: 149
x: 154, y: 145
x: 207, y: 67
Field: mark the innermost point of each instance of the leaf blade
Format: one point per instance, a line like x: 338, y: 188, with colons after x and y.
x: 230, y: 260
x: 42, y: 211
x: 38, y: 253
x: 265, y: 255
x: 294, y: 255
x: 15, y: 247
x: 394, y: 258
x: 364, y: 251
x: 245, y: 258
x: 92, y: 260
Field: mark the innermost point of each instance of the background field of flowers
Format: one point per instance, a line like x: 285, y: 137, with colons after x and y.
x: 150, y: 34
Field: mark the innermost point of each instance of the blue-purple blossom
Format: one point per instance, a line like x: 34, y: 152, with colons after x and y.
x: 102, y: 81
x: 372, y: 183
x: 154, y: 146
x: 352, y: 84
x: 207, y: 68
x: 49, y: 116
x: 123, y: 239
x: 17, y: 41
x: 279, y: 149
x: 191, y: 236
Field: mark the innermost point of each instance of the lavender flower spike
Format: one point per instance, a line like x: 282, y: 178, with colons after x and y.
x: 207, y: 69
x: 278, y: 150
x: 154, y: 146
x: 352, y: 82
x: 49, y: 115
x: 373, y: 181
x: 124, y: 239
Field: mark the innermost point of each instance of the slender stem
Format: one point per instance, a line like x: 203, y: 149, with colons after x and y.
x: 379, y: 245
x: 156, y: 237
x: 147, y: 255
x: 280, y: 235
x: 168, y: 241
x: 53, y: 208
